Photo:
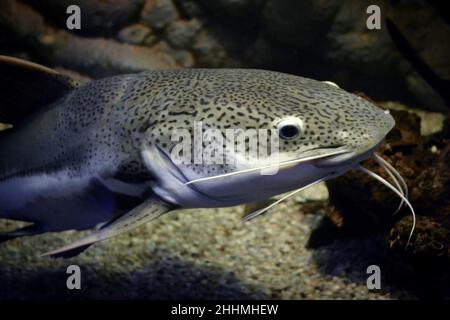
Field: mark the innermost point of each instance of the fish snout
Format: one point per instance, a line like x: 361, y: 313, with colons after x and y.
x: 388, y: 122
x: 377, y: 130
x: 374, y: 133
x: 360, y: 142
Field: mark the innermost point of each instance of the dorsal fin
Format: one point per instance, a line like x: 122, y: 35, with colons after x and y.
x: 25, y: 87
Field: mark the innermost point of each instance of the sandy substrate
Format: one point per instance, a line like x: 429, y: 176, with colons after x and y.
x: 200, y: 254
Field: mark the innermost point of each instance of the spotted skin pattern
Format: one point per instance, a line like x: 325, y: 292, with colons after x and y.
x: 96, y: 133
x: 111, y: 116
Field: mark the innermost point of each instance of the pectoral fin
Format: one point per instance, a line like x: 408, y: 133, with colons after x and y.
x: 252, y: 210
x: 145, y: 212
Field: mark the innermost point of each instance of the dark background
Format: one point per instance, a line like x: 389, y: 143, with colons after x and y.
x: 326, y: 40
x: 179, y: 257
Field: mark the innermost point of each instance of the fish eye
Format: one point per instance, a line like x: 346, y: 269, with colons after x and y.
x: 289, y: 129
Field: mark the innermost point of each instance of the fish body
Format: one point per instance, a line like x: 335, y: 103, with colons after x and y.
x: 103, y: 149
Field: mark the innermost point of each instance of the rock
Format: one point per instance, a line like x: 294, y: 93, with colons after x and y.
x: 446, y: 129
x: 263, y: 53
x: 191, y: 8
x: 20, y: 20
x: 373, y: 53
x: 181, y: 33
x: 234, y: 8
x: 425, y: 31
x: 100, y: 17
x: 98, y: 57
x: 354, y: 50
x: 430, y: 122
x: 4, y: 126
x: 430, y: 242
x: 208, y: 51
x: 300, y: 24
x: 158, y: 14
x: 430, y: 191
x: 353, y: 47
x: 366, y: 207
x: 323, y: 232
x: 424, y: 93
x: 151, y: 39
x: 371, y: 204
x: 135, y: 34
x: 183, y: 58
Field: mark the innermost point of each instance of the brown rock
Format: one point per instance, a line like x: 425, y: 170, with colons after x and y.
x: 365, y: 204
x: 99, y: 57
x: 99, y: 17
x: 158, y: 14
x: 300, y: 24
x: 135, y: 34
x: 181, y: 33
x: 430, y: 241
x: 20, y: 21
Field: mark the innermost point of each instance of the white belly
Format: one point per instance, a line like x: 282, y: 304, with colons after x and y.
x: 57, y: 200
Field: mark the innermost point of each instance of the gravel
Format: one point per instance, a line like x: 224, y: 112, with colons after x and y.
x: 197, y: 254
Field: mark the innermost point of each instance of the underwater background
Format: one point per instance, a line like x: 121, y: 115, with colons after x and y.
x: 315, y: 246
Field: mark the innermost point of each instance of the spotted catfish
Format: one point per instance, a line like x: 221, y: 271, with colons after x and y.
x: 99, y: 154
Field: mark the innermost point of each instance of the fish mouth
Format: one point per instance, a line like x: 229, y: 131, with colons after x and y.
x: 308, y: 157
x: 318, y: 154
x: 351, y: 157
x: 176, y: 187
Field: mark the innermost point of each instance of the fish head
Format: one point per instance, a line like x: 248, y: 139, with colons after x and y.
x: 305, y: 130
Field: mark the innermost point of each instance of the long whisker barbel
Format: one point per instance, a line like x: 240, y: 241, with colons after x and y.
x: 390, y: 186
x: 379, y: 159
x: 280, y: 164
x: 393, y: 177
